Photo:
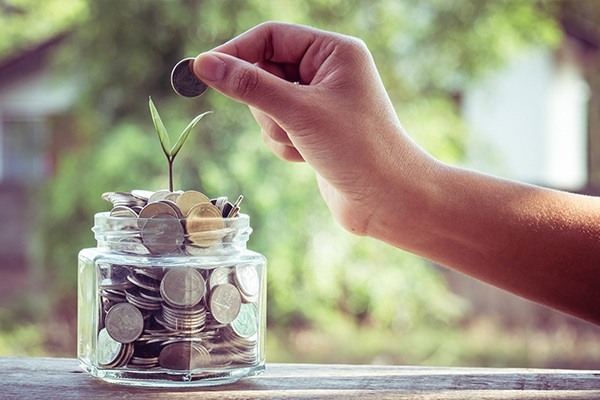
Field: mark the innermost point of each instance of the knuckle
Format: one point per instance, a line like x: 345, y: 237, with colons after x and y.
x: 245, y: 83
x: 356, y: 49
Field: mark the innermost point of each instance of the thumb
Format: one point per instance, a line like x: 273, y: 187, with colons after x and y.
x: 244, y: 82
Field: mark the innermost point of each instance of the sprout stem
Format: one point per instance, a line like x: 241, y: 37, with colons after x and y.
x: 170, y: 161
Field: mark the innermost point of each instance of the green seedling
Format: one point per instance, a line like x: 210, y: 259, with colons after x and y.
x: 163, y: 137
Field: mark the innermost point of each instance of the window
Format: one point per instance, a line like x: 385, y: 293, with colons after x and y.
x: 23, y: 151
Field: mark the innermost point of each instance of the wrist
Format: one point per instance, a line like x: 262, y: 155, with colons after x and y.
x: 412, y: 191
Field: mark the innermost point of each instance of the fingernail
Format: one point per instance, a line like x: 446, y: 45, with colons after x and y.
x: 209, y: 67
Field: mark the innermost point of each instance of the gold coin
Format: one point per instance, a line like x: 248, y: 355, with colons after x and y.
x: 204, y: 210
x: 189, y: 199
x: 205, y: 225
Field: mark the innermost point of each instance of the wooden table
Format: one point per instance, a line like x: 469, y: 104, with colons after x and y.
x: 47, y: 378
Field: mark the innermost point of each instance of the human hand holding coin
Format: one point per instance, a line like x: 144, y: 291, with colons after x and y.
x: 318, y: 98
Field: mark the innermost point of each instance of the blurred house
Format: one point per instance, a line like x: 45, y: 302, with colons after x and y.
x: 32, y: 93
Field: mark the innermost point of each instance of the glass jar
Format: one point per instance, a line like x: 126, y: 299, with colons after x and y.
x: 157, y: 307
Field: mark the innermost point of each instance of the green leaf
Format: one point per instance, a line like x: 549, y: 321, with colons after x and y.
x: 186, y: 132
x: 163, y: 135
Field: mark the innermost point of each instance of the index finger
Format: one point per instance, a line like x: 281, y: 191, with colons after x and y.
x: 272, y: 41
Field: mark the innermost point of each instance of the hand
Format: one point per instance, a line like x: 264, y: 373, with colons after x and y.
x: 318, y: 98
x: 538, y: 243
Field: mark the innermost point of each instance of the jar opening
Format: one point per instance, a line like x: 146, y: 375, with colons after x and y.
x: 165, y: 234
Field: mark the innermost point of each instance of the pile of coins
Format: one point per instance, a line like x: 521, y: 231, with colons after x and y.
x: 178, y: 318
x: 164, y: 222
x: 175, y: 317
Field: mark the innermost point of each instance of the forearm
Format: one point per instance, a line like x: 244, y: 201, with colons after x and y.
x: 538, y: 243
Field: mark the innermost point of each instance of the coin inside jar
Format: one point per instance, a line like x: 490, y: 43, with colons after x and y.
x: 247, y: 279
x: 246, y: 323
x: 162, y: 233
x: 182, y: 287
x: 108, y: 348
x: 124, y: 323
x: 183, y: 356
x: 185, y: 83
x: 204, y: 225
x: 225, y: 303
x: 189, y: 199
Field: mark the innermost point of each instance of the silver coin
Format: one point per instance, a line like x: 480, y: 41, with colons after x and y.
x: 113, y: 296
x: 133, y: 296
x: 122, y: 199
x: 144, y: 282
x: 182, y: 287
x: 225, y: 303
x: 183, y: 356
x: 115, y: 277
x: 142, y: 194
x: 123, y: 212
x: 185, y: 83
x: 219, y: 202
x: 131, y: 244
x: 246, y: 278
x: 246, y: 323
x: 235, y: 208
x: 151, y: 296
x: 123, y: 218
x: 126, y: 355
x: 153, y: 272
x: 157, y: 208
x: 116, y: 284
x: 159, y: 195
x: 108, y: 349
x: 162, y: 233
x: 124, y: 323
x: 173, y: 197
x: 219, y: 276
x: 174, y: 206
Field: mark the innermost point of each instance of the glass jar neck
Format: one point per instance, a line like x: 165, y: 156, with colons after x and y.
x: 170, y: 236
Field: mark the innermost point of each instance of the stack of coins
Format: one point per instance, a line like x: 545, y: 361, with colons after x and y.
x: 148, y: 320
x: 168, y: 222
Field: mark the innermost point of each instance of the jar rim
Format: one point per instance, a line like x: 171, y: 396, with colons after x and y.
x: 170, y: 235
x: 105, y: 215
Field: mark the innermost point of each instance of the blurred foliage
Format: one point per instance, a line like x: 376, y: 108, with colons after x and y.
x: 319, y: 275
x: 25, y: 23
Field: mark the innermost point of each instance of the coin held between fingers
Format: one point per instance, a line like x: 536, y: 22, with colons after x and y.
x: 184, y: 81
x: 209, y: 67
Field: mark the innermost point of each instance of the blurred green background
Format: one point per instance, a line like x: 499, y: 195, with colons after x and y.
x: 332, y: 297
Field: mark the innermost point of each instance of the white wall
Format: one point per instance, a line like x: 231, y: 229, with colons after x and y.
x: 528, y: 121
x: 33, y: 99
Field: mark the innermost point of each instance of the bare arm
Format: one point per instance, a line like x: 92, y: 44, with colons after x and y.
x: 541, y: 244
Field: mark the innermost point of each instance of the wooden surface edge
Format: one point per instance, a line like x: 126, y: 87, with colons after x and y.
x: 37, y: 378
